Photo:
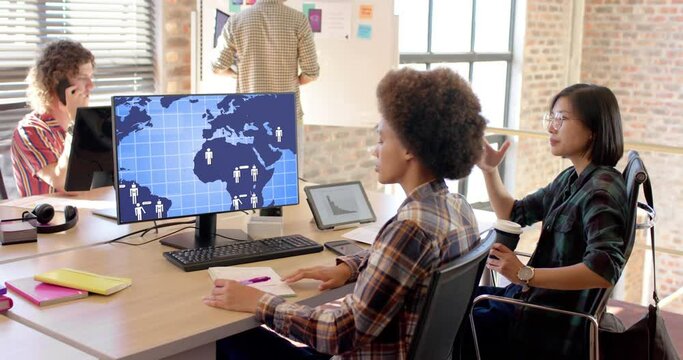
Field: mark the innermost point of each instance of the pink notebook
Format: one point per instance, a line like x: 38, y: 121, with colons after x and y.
x: 43, y: 294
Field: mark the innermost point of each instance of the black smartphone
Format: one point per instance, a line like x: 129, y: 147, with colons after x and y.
x: 343, y: 247
x: 61, y: 90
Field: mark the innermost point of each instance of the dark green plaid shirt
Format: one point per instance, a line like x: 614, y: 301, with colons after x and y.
x: 584, y: 221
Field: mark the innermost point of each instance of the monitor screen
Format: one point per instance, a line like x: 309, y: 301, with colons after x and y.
x: 189, y: 155
x: 91, y: 161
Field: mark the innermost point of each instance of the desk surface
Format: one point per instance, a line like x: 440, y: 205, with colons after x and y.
x: 18, y: 341
x: 90, y: 230
x: 162, y: 313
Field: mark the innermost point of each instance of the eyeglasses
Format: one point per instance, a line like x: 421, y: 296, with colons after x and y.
x: 554, y: 119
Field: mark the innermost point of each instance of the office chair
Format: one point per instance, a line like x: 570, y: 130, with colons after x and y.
x: 448, y: 298
x: 634, y: 175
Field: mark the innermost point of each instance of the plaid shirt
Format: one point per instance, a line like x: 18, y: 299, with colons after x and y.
x: 584, y: 221
x: 270, y: 41
x: 37, y: 142
x: 378, y: 320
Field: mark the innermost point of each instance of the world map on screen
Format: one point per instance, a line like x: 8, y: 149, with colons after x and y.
x: 185, y: 155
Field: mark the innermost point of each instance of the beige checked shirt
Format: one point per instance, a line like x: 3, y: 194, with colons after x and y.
x: 268, y: 43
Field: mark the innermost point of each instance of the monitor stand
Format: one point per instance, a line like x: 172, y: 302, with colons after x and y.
x: 205, y: 235
x: 101, y: 179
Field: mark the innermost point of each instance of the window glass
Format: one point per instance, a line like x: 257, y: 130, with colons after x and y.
x: 489, y: 81
x: 413, y: 22
x: 451, y: 26
x: 492, y: 26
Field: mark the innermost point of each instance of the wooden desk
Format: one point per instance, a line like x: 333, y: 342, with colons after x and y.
x: 19, y: 341
x: 90, y: 230
x: 162, y: 314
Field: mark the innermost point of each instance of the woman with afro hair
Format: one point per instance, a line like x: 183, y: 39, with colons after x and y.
x: 430, y: 130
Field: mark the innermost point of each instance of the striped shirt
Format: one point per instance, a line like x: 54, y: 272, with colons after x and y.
x: 268, y: 42
x: 378, y: 320
x: 37, y: 142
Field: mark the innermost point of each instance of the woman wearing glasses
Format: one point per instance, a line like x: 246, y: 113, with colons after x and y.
x: 581, y: 243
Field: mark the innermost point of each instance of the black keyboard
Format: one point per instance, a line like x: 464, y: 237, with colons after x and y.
x: 242, y: 252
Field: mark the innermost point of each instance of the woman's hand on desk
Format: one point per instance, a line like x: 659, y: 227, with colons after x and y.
x: 231, y: 295
x: 331, y: 276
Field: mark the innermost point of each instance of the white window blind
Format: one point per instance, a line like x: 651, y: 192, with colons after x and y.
x: 119, y: 33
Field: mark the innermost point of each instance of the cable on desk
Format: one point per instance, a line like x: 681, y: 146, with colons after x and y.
x: 117, y: 240
x: 155, y: 228
x: 158, y: 237
x: 149, y: 229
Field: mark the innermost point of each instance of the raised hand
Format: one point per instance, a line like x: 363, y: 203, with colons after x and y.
x: 491, y: 158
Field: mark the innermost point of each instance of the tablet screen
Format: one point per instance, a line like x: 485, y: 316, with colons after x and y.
x: 338, y: 204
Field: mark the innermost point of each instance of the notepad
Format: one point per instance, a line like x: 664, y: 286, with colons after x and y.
x: 43, y: 294
x: 82, y: 280
x: 273, y: 286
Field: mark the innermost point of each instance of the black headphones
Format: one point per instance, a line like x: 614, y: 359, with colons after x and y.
x: 41, y: 215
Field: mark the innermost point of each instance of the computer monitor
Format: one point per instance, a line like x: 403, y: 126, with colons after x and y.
x: 203, y: 154
x: 91, y: 160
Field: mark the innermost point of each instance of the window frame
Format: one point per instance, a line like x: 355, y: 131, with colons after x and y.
x: 471, y: 57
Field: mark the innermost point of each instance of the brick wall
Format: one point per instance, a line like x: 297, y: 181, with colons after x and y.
x: 176, y: 45
x: 544, y: 73
x: 636, y: 49
x: 335, y: 154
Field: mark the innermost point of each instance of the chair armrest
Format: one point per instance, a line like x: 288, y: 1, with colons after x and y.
x: 592, y: 319
x: 518, y: 302
x: 651, y: 216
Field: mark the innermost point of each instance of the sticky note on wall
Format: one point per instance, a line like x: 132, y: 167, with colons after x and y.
x: 364, y: 31
x: 365, y: 12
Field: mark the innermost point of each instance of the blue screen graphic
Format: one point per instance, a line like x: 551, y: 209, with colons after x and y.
x: 187, y: 155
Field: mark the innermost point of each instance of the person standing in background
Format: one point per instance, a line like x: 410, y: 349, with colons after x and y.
x: 60, y: 82
x: 268, y: 44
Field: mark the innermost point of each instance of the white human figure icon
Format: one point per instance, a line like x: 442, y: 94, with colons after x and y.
x: 254, y: 200
x: 254, y: 172
x: 208, y: 155
x: 138, y: 211
x: 236, y: 174
x: 278, y: 133
x: 159, y: 208
x: 134, y: 193
x: 236, y: 203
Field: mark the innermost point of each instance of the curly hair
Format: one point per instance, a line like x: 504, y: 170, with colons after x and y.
x: 436, y: 116
x: 58, y: 60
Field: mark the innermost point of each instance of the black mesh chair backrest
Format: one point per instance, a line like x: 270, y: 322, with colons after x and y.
x: 448, y: 300
x: 634, y: 175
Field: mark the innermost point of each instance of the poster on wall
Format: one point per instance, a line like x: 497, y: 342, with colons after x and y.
x: 331, y: 20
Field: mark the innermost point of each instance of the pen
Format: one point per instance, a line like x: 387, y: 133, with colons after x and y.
x: 255, y: 280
